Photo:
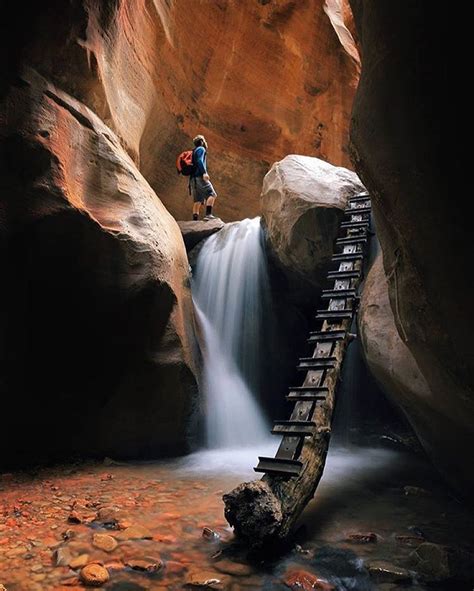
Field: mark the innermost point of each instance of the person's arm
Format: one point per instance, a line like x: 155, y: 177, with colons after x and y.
x: 199, y: 161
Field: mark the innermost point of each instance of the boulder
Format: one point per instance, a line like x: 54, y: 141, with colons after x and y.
x: 194, y: 232
x: 391, y: 362
x: 436, y: 422
x: 97, y: 346
x: 401, y: 146
x: 277, y: 76
x: 303, y: 199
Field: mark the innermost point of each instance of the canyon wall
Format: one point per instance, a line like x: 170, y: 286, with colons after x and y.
x: 97, y: 348
x: 403, y: 150
x: 261, y: 79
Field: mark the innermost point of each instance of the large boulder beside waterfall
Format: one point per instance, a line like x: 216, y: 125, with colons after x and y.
x: 303, y: 199
x: 439, y: 418
x: 97, y: 344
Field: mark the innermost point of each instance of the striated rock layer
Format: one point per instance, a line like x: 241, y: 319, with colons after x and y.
x: 400, y: 140
x: 260, y: 79
x: 97, y: 348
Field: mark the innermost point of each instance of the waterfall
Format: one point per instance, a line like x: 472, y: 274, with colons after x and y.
x: 231, y: 294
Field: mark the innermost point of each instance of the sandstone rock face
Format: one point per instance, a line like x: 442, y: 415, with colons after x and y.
x: 194, y: 232
x: 400, y: 149
x: 303, y: 199
x: 259, y: 78
x: 97, y: 347
x: 394, y: 367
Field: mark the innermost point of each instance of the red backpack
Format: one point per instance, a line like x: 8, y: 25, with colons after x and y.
x: 185, y: 163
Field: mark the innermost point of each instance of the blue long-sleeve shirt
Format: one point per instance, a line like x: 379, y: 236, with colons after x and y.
x: 200, y: 160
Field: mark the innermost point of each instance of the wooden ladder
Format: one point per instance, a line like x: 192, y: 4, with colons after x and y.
x: 335, y: 321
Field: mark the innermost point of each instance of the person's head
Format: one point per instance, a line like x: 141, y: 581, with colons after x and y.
x: 200, y: 140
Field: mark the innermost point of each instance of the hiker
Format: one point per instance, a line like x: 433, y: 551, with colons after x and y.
x: 194, y: 164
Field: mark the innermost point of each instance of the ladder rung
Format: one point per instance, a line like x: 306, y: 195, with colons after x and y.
x: 294, y: 428
x: 327, y: 335
x: 279, y: 467
x: 348, y: 256
x: 355, y: 274
x: 358, y: 198
x: 352, y: 240
x: 338, y: 293
x: 307, y: 363
x: 308, y: 389
x: 360, y: 224
x: 356, y: 210
x: 306, y: 396
x: 333, y: 314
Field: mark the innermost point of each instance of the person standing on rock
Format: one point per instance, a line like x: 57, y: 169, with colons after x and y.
x: 201, y: 187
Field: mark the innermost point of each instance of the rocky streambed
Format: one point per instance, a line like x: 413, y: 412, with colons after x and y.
x: 381, y: 520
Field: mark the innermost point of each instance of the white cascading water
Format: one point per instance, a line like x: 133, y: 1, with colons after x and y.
x: 231, y: 294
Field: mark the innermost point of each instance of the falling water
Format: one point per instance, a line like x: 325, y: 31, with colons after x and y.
x: 231, y: 294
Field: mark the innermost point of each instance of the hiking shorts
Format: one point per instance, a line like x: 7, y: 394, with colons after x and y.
x: 201, y: 189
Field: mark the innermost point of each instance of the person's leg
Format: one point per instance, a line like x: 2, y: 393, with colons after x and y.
x: 209, y: 204
x: 196, y: 210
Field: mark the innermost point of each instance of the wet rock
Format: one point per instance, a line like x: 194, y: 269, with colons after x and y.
x: 410, y: 541
x: 79, y: 561
x: 416, y: 491
x: 145, y: 565
x: 210, y: 535
x: 135, y: 532
x: 112, y: 518
x: 74, y: 517
x: 62, y: 556
x: 383, y: 571
x: 233, y: 568
x: 431, y: 562
x: 366, y: 538
x: 94, y: 575
x: 301, y: 580
x: 201, y: 579
x: 104, y: 542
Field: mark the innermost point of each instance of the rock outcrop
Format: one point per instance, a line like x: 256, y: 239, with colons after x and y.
x: 303, y: 200
x: 399, y: 141
x: 97, y: 347
x: 195, y: 232
x: 259, y: 78
x: 394, y: 367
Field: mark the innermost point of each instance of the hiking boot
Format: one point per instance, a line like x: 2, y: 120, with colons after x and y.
x: 210, y: 217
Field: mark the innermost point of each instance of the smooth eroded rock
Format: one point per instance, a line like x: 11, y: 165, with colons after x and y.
x: 432, y: 414
x: 104, y: 542
x: 401, y: 148
x: 303, y: 199
x: 94, y: 575
x: 99, y: 343
x: 259, y: 79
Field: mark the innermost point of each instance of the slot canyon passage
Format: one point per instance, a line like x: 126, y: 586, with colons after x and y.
x: 146, y: 358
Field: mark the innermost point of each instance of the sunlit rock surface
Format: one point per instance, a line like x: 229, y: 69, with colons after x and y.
x: 424, y: 222
x: 303, y: 200
x: 97, y: 346
x: 259, y: 79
